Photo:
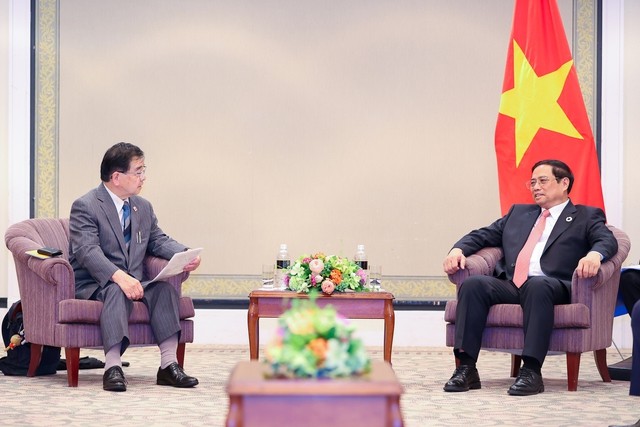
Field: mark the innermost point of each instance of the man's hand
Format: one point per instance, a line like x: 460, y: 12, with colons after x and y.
x: 193, y: 264
x: 589, y: 265
x: 454, y: 261
x: 129, y: 285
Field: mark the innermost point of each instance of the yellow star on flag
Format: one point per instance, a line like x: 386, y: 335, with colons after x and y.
x: 533, y: 102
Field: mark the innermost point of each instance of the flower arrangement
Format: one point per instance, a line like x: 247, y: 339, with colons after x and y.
x: 328, y: 273
x: 314, y: 342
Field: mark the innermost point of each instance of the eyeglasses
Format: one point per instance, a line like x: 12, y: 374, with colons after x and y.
x: 139, y: 174
x: 543, y: 181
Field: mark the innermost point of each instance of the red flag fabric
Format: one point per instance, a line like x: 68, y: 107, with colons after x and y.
x: 542, y: 113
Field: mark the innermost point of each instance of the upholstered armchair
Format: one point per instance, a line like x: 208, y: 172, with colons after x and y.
x: 586, y: 324
x: 52, y: 315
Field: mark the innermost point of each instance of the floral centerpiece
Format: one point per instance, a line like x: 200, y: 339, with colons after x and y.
x: 314, y: 342
x: 328, y: 273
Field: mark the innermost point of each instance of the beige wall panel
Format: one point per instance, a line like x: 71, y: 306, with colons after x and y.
x: 631, y: 110
x: 318, y: 124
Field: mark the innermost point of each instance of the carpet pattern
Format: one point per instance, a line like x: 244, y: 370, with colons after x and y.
x: 422, y: 371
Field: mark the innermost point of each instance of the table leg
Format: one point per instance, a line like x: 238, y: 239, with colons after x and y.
x: 234, y: 416
x: 254, y: 329
x: 389, y: 325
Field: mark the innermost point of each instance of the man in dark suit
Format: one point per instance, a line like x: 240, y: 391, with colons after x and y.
x: 108, y: 264
x: 630, y: 288
x: 634, y: 388
x: 566, y: 238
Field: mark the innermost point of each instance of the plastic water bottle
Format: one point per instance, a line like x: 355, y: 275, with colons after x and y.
x: 282, y: 266
x: 360, y: 258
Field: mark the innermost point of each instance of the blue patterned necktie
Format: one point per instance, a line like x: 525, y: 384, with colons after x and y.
x: 126, y: 222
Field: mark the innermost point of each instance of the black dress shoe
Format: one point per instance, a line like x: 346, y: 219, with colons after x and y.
x: 113, y: 379
x: 464, y: 378
x: 174, y: 375
x: 637, y: 424
x: 527, y: 383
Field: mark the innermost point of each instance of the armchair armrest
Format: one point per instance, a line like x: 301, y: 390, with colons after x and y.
x: 154, y: 265
x: 608, y: 277
x: 482, y: 263
x: 43, y: 284
x: 54, y: 271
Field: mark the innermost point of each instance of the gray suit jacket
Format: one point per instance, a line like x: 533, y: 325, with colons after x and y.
x: 96, y: 245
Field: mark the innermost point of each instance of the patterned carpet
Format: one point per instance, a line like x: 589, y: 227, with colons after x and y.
x: 422, y: 371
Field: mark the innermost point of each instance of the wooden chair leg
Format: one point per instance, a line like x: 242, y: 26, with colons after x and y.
x: 516, y: 361
x: 180, y: 354
x: 600, y: 357
x: 34, y: 361
x: 73, y: 365
x: 573, y: 369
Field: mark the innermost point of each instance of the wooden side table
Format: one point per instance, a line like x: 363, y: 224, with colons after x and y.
x: 372, y: 400
x: 353, y: 305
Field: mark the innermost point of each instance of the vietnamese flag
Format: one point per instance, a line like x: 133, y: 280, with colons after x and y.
x: 542, y: 112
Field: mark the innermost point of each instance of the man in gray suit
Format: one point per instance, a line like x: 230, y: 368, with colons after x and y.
x: 108, y: 264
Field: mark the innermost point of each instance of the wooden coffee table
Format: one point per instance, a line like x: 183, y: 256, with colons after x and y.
x: 371, y: 400
x: 352, y: 305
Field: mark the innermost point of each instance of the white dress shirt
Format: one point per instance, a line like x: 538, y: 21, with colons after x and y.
x: 554, y: 213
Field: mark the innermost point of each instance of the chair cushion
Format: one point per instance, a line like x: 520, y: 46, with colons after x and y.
x: 510, y: 315
x: 87, y: 311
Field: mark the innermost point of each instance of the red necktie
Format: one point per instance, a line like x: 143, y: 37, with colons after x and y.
x: 524, y: 257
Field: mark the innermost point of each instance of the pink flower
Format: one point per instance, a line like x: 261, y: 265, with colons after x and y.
x: 328, y: 287
x: 316, y: 279
x: 363, y: 276
x: 316, y: 266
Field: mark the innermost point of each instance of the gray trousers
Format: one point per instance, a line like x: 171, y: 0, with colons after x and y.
x: 161, y: 300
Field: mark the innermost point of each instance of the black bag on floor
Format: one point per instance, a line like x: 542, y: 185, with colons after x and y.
x: 19, y: 350
x: 85, y: 362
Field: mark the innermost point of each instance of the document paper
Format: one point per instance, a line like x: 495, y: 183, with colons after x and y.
x: 176, y: 264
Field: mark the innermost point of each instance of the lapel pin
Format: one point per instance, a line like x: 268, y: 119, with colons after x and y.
x: 135, y: 209
x: 568, y: 219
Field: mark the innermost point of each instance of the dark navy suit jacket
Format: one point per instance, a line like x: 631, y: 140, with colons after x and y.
x: 578, y: 230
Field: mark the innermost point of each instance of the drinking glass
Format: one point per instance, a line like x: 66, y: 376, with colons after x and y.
x: 375, y: 277
x: 267, y: 276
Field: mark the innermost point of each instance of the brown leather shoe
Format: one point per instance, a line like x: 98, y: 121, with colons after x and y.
x: 174, y: 375
x: 113, y: 379
x: 464, y: 378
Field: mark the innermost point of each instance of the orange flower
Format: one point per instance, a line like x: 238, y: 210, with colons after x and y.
x: 336, y: 276
x: 318, y: 346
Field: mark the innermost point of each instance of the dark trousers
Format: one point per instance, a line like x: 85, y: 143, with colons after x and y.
x: 630, y: 288
x: 161, y: 300
x: 634, y: 388
x: 537, y: 297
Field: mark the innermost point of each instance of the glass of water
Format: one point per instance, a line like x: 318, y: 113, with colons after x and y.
x: 375, y: 277
x: 267, y: 277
